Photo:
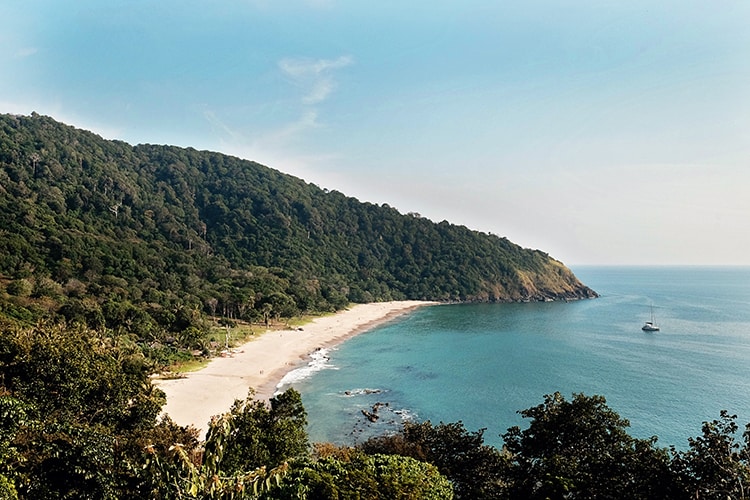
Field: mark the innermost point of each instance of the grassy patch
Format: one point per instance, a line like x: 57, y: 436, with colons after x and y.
x: 190, y: 366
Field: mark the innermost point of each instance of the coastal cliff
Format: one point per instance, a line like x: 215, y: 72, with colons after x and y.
x: 164, y: 228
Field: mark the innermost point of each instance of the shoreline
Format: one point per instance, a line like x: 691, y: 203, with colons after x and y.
x: 263, y: 362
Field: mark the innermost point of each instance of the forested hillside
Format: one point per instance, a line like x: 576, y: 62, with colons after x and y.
x: 105, y: 233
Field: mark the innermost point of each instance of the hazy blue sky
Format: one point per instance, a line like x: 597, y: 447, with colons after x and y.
x: 602, y: 132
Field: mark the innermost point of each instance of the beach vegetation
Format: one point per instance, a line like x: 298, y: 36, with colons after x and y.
x: 193, y: 364
x: 235, y: 461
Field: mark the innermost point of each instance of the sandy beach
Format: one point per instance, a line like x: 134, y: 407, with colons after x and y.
x: 263, y: 362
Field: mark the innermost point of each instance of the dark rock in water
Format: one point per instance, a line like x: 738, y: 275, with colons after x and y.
x: 371, y: 416
x: 378, y: 406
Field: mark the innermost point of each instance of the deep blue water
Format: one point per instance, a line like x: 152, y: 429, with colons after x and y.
x: 481, y: 363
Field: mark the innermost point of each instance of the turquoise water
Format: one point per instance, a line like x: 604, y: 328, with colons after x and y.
x: 480, y: 363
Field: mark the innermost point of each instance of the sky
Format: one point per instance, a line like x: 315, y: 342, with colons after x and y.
x: 601, y: 132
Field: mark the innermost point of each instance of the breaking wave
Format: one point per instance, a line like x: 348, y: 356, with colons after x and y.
x: 319, y: 360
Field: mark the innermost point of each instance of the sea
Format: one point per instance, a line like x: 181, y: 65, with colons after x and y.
x: 481, y: 364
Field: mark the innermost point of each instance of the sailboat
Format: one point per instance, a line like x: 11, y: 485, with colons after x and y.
x: 650, y: 326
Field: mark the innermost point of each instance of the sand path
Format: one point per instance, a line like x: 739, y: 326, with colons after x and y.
x: 263, y: 362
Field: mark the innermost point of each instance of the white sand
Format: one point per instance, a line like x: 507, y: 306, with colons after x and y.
x: 263, y: 362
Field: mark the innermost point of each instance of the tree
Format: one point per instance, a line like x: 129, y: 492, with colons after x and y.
x: 84, y: 400
x: 474, y: 469
x: 177, y: 475
x: 716, y: 465
x: 12, y: 417
x: 266, y: 436
x: 364, y: 477
x: 580, y: 449
x: 20, y: 288
x: 79, y: 375
x: 212, y: 302
x: 281, y: 305
x: 246, y: 449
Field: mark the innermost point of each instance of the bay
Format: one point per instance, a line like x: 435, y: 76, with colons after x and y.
x: 481, y: 363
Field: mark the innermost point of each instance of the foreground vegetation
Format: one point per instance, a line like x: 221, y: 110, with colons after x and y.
x: 79, y: 419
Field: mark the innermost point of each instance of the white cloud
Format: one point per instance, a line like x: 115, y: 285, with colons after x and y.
x: 279, y: 146
x: 314, y: 76
x: 304, y: 67
x: 275, y: 143
x: 216, y: 122
x: 307, y: 121
x: 319, y: 92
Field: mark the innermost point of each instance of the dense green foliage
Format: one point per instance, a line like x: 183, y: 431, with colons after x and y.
x: 475, y: 469
x: 579, y: 449
x: 74, y: 408
x: 364, y: 477
x: 716, y: 465
x: 144, y: 237
x: 78, y: 419
x: 265, y: 437
x: 260, y: 451
x: 245, y: 450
